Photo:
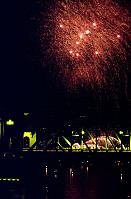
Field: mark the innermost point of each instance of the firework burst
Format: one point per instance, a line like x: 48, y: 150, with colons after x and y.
x: 88, y: 43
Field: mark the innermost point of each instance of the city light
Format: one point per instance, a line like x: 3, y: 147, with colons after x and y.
x: 26, y: 114
x: 10, y: 179
x: 121, y: 132
x: 10, y: 122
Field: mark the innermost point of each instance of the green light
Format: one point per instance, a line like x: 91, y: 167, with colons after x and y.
x: 26, y: 114
x: 68, y: 142
x: 93, y: 140
x: 75, y: 135
x: 121, y: 132
x: 9, y: 179
x: 27, y: 134
x: 9, y: 122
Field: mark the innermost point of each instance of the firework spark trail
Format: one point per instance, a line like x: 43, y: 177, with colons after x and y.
x: 89, y: 41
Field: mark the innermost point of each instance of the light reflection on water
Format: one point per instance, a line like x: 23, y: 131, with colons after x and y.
x: 46, y: 170
x: 81, y: 180
x: 87, y: 170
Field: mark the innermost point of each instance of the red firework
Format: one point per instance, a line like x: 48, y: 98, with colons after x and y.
x: 88, y: 43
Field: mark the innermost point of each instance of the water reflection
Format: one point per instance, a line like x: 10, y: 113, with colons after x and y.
x: 46, y: 170
x: 82, y: 180
x: 87, y: 170
x: 121, y: 177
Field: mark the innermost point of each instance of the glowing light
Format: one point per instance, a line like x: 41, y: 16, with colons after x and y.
x: 121, y: 177
x: 77, y: 42
x: 46, y: 170
x: 94, y: 24
x: 9, y: 122
x: 55, y: 176
x: 61, y: 25
x: 101, y: 142
x: 70, y: 174
x: 121, y: 132
x: 77, y: 54
x: 96, y: 53
x: 70, y: 171
x: 71, y: 51
x: 87, y: 32
x: 87, y: 170
x: 10, y: 179
x: 76, y: 146
x: 27, y: 134
x: 81, y: 36
x: 82, y: 168
x: 118, y: 36
x: 46, y: 189
x: 26, y: 114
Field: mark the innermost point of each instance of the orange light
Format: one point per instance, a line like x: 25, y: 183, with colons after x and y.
x: 61, y: 25
x: 70, y: 51
x: 77, y: 54
x: 96, y: 53
x: 118, y: 36
x: 77, y: 42
x: 94, y: 24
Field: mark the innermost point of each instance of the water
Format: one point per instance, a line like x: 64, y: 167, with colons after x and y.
x: 67, y: 176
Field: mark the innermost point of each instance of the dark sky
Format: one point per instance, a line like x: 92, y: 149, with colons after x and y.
x: 27, y: 86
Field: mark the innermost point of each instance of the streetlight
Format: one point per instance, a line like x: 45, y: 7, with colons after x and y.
x: 10, y: 122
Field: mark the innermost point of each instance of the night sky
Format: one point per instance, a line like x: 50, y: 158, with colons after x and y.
x: 28, y: 86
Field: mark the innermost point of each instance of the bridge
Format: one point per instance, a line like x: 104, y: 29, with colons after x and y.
x: 82, y: 139
x: 87, y: 140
